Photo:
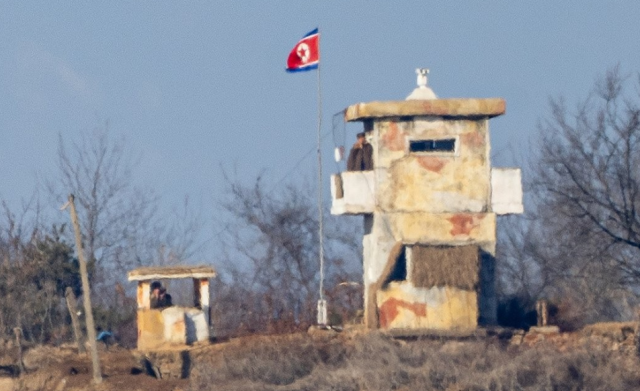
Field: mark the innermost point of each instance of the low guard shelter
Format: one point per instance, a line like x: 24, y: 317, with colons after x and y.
x: 172, y: 325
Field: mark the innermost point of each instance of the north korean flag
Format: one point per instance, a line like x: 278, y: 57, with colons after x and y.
x: 306, y: 54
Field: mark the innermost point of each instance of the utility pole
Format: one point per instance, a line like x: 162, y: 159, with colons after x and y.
x: 86, y: 294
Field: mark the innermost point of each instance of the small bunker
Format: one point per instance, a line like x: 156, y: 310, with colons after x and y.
x: 173, y: 325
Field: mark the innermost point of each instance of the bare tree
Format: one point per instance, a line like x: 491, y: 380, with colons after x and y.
x: 113, y: 212
x: 271, y: 257
x: 582, y: 241
x: 122, y: 224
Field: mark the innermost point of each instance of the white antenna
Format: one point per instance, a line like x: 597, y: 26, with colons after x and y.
x: 422, y: 92
x: 422, y: 77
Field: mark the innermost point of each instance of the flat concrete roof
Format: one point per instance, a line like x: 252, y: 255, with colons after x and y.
x: 166, y: 272
x: 447, y: 108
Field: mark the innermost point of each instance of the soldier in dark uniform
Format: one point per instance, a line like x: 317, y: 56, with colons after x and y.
x: 361, y: 155
x: 159, y: 296
x: 165, y: 299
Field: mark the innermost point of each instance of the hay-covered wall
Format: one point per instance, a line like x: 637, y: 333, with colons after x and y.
x: 441, y: 266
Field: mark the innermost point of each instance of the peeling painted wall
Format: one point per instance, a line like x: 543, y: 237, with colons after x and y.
x: 150, y: 329
x: 433, y: 182
x: 175, y: 328
x: 403, y: 306
x: 431, y: 199
x: 171, y: 326
x: 506, y: 190
x: 437, y: 199
x: 352, y: 192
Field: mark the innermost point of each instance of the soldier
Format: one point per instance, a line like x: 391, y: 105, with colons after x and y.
x: 159, y: 296
x: 361, y: 155
x: 165, y: 299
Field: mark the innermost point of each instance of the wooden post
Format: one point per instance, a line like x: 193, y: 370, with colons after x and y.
x: 542, y: 312
x: 201, y: 290
x: 18, y: 332
x: 143, y: 298
x: 72, y: 305
x: 86, y: 294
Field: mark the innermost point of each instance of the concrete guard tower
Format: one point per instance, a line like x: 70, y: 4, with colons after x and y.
x: 429, y: 207
x: 175, y: 325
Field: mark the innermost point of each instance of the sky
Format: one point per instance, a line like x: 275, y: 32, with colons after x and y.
x: 195, y: 86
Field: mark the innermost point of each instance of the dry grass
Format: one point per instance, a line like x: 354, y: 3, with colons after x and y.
x: 376, y: 362
x: 455, y: 266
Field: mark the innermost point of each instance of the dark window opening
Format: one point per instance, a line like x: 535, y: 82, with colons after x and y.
x: 399, y: 272
x: 443, y: 145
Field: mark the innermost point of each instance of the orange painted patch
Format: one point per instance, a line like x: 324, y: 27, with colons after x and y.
x: 462, y: 224
x: 389, y: 310
x: 473, y: 140
x: 179, y: 327
x: 394, y: 138
x: 431, y: 163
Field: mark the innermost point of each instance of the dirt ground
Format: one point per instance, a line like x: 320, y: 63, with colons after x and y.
x: 60, y: 368
x: 599, y: 357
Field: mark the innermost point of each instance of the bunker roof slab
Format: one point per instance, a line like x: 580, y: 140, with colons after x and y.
x: 167, y: 272
x: 446, y: 108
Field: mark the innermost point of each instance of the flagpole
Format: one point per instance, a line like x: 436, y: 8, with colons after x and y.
x: 322, y: 309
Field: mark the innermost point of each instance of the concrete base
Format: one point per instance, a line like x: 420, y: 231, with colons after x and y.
x: 545, y: 330
x: 171, y: 326
x: 482, y: 332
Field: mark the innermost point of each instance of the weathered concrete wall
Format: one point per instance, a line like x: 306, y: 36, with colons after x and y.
x: 444, y: 182
x: 171, y: 326
x: 506, y: 190
x: 383, y: 234
x: 446, y: 288
x: 175, y: 328
x: 429, y: 199
x: 403, y: 306
x: 382, y: 231
x: 197, y: 326
x: 352, y: 192
x: 443, y: 228
x: 150, y: 329
x: 440, y: 201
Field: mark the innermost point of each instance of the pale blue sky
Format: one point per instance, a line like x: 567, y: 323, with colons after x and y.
x: 193, y: 84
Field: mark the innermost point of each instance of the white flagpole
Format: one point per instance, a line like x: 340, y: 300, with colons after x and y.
x: 322, y: 305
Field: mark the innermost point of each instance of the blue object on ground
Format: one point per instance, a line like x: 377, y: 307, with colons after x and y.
x: 104, y: 335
